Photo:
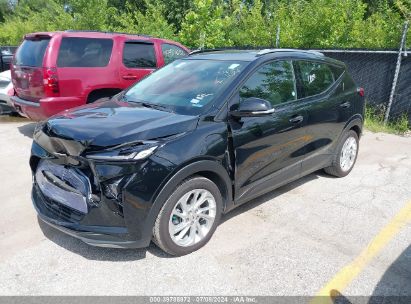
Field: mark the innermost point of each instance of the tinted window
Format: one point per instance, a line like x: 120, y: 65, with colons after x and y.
x: 84, y: 52
x: 337, y: 71
x: 172, y: 52
x: 185, y: 86
x: 315, y: 77
x: 273, y: 82
x: 31, y: 52
x: 139, y: 55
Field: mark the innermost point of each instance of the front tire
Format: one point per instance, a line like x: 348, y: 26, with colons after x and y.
x: 347, y: 152
x: 189, y: 217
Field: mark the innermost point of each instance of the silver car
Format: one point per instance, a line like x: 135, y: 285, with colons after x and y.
x: 6, y: 90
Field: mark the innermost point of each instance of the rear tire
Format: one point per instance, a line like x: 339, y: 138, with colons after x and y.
x: 189, y: 217
x: 347, y: 152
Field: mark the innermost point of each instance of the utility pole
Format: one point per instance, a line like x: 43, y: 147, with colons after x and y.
x: 202, y: 40
x: 397, y: 72
x: 277, y: 38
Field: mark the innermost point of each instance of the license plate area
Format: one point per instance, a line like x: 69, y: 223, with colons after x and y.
x: 64, y: 185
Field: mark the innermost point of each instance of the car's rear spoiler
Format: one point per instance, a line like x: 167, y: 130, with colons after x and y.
x: 37, y: 36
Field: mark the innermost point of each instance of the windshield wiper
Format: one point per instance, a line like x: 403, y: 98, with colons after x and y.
x: 148, y: 104
x: 154, y: 106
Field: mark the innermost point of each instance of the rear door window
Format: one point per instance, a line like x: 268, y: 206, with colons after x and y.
x: 139, y: 55
x: 172, y: 52
x: 315, y: 77
x: 31, y: 52
x: 84, y: 52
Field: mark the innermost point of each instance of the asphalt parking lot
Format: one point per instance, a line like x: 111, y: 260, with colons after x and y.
x: 313, y: 235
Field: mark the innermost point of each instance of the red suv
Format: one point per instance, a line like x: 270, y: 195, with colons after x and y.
x: 55, y: 71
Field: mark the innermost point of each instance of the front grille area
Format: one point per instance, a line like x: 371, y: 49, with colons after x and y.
x: 67, y: 190
x: 62, y: 212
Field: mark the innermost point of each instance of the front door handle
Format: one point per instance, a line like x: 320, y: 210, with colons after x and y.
x: 130, y: 77
x: 296, y: 119
x: 346, y: 104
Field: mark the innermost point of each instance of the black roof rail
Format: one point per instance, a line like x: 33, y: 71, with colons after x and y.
x: 106, y: 32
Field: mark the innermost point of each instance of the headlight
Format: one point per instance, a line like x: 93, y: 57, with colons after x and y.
x: 125, y: 154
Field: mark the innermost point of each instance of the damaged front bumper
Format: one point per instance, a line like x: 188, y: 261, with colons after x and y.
x: 104, y: 204
x: 100, y: 236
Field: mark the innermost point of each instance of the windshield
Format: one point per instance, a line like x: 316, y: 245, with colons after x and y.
x: 185, y: 86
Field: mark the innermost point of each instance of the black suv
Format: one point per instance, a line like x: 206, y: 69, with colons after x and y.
x: 164, y: 159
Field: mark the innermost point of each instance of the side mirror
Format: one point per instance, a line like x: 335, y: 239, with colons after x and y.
x: 253, y: 107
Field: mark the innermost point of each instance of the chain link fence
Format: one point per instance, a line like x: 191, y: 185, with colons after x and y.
x: 385, y: 76
x: 402, y: 96
x: 375, y: 71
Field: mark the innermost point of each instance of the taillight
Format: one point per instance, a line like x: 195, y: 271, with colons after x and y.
x: 360, y: 91
x: 51, y: 82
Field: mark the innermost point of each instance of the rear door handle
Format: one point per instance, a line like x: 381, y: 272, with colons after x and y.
x: 346, y: 104
x: 296, y: 119
x: 129, y: 77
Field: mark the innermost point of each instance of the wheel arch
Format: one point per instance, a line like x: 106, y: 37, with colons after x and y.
x: 207, y: 168
x: 356, y: 124
x: 210, y: 169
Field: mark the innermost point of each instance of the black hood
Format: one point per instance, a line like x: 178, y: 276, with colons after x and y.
x: 110, y: 123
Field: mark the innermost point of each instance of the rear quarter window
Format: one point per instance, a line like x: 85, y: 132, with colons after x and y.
x: 337, y: 71
x: 139, y: 55
x: 84, y: 52
x: 315, y: 77
x: 31, y: 52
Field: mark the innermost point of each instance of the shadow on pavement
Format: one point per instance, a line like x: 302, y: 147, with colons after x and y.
x: 393, y: 287
x: 97, y: 253
x: 271, y: 195
x: 396, y: 280
x: 117, y: 255
x: 27, y: 129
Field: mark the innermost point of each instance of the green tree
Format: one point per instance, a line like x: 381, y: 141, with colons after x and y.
x: 150, y: 22
x: 176, y: 10
x: 47, y: 16
x: 5, y: 9
x: 216, y: 23
x: 315, y: 24
x: 90, y: 14
x: 250, y: 26
x: 205, y: 26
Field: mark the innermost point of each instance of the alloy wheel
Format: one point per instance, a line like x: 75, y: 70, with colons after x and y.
x: 192, y: 217
x: 348, y: 154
